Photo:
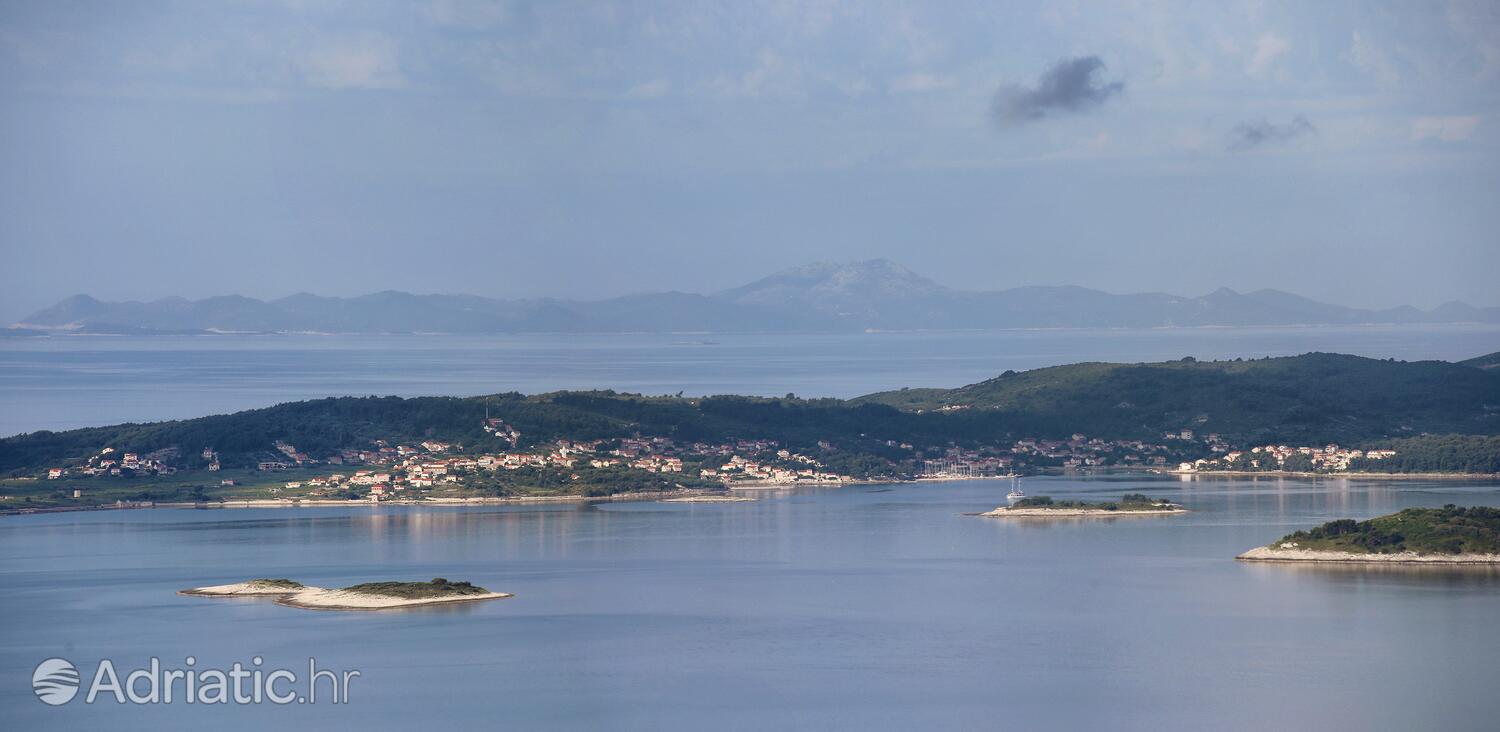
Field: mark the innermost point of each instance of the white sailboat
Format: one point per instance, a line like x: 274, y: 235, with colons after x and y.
x: 1015, y: 493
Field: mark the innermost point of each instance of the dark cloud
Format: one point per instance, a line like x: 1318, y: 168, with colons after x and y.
x: 1250, y: 135
x: 1069, y: 86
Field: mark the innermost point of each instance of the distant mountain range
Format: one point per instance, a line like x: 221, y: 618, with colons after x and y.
x: 871, y: 295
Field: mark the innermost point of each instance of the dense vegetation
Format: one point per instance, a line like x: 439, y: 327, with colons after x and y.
x: 438, y: 587
x: 1446, y: 530
x: 1127, y: 502
x: 1487, y: 361
x: 1438, y: 454
x: 1308, y: 399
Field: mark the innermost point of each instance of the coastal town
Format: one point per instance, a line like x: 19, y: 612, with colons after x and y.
x: 1078, y: 452
x: 382, y: 471
x: 386, y: 471
x: 1282, y: 458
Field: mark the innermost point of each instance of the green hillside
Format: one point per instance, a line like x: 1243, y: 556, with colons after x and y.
x: 1487, y: 361
x: 1309, y: 398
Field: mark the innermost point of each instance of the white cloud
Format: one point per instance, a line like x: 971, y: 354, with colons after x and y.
x: 1268, y: 48
x: 1478, y: 23
x: 918, y: 83
x: 363, y: 61
x: 653, y: 89
x: 1444, y: 129
x: 1371, y: 58
x: 769, y: 77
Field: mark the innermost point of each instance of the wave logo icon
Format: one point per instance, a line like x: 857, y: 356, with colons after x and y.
x: 55, y: 681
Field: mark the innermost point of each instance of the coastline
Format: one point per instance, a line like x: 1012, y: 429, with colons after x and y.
x: 320, y: 598
x: 1272, y: 554
x: 237, y: 589
x: 232, y: 503
x: 709, y: 499
x: 668, y: 495
x: 1008, y: 512
x: 1303, y: 474
x: 770, y: 485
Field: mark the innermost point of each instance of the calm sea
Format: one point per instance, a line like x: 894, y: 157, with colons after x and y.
x: 869, y: 607
x: 60, y: 383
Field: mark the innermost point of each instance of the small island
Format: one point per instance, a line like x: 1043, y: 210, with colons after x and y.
x: 367, y: 596
x: 1131, y: 504
x: 249, y: 587
x: 1447, y: 535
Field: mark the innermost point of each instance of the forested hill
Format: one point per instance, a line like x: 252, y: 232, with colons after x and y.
x: 1309, y: 399
x: 1487, y: 361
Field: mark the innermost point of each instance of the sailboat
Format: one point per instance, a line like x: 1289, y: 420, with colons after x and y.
x: 1015, y: 493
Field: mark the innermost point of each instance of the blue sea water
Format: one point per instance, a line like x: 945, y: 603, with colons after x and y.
x: 864, y: 607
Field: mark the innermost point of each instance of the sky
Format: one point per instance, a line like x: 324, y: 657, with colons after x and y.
x: 1347, y: 151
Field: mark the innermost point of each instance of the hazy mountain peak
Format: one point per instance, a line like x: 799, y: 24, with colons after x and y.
x: 869, y: 294
x: 824, y: 280
x: 68, y: 311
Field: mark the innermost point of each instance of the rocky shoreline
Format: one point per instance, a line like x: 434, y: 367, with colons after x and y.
x: 320, y: 598
x: 1276, y: 554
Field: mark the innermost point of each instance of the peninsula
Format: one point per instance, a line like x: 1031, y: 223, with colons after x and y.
x: 367, y: 596
x: 1447, y: 535
x: 1131, y: 504
x: 1320, y: 413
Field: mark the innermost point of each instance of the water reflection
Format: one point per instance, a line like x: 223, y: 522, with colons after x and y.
x: 858, y: 607
x: 1357, y: 572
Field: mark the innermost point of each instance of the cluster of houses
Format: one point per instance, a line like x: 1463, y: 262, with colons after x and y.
x: 1078, y: 451
x: 1214, y: 442
x: 411, y: 469
x: 111, y: 462
x: 781, y: 472
x: 387, y: 470
x: 1329, y: 458
x: 501, y: 430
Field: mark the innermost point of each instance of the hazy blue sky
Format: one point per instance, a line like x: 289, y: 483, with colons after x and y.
x: 1346, y: 151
